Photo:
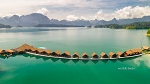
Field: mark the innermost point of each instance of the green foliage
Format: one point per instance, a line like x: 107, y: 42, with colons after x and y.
x: 148, y: 32
x: 136, y: 25
x: 113, y: 26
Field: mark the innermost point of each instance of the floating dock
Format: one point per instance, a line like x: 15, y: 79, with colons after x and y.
x: 28, y: 49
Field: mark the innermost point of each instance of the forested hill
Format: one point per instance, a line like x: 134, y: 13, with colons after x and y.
x: 4, y: 26
x: 136, y: 25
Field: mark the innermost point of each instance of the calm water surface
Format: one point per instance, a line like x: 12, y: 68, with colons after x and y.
x: 28, y: 69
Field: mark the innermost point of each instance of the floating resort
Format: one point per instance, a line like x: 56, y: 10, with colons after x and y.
x: 28, y: 49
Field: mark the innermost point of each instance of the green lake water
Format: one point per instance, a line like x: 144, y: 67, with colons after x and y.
x: 28, y: 69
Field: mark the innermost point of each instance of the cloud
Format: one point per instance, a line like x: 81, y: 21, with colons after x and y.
x: 128, y: 12
x: 43, y: 11
x: 132, y: 12
x: 100, y: 15
x: 73, y: 17
x: 85, y: 9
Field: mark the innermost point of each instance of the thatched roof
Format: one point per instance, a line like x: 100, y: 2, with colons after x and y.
x: 111, y: 54
x: 40, y: 50
x: 11, y: 51
x: 102, y: 54
x: 29, y: 47
x: 20, y: 49
x: 33, y: 49
x: 119, y: 53
x: 48, y: 51
x: 84, y: 54
x: 76, y: 53
x: 129, y: 52
x: 136, y: 50
x: 1, y: 50
x: 145, y: 47
x: 57, y: 52
x: 93, y: 54
x: 24, y: 47
x: 67, y: 53
x: 25, y: 44
x: 139, y: 50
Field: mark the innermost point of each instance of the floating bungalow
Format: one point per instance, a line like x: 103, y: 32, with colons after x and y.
x: 33, y: 50
x: 75, y: 55
x: 66, y: 54
x: 10, y: 52
x: 2, y: 52
x: 85, y: 55
x: 103, y: 55
x: 94, y: 55
x: 29, y: 48
x: 39, y: 51
x: 136, y: 51
x: 146, y: 48
x: 120, y: 54
x: 128, y: 53
x: 112, y: 55
x: 23, y: 48
x: 56, y: 53
x: 46, y: 52
x: 20, y: 50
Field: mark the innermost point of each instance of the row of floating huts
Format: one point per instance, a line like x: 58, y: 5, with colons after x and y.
x: 31, y: 49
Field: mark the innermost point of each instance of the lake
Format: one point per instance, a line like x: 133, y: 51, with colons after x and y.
x: 28, y: 69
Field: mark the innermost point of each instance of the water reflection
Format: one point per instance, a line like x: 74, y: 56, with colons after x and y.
x: 3, y: 57
x: 31, y: 29
x: 144, y: 58
x: 136, y: 59
x: 114, y: 60
x: 85, y: 61
x: 54, y: 59
x: 95, y: 61
x: 26, y: 55
x: 45, y: 58
x: 75, y: 61
x: 105, y: 61
x: 65, y: 60
x: 37, y: 57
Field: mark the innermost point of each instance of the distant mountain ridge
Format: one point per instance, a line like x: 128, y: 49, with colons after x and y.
x: 36, y: 19
x: 25, y: 20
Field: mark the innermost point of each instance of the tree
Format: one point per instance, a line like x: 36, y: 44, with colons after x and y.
x: 148, y: 32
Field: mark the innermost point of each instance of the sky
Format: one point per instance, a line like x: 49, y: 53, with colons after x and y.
x: 77, y: 9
